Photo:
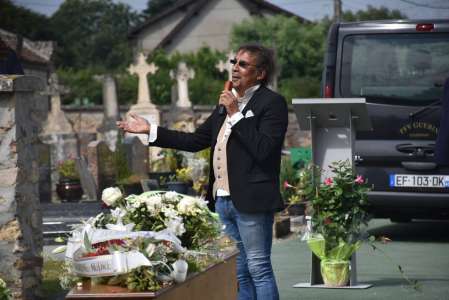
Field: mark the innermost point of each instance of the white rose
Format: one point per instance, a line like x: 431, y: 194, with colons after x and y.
x: 171, y: 196
x: 153, y: 203
x: 169, y: 212
x: 110, y: 195
x: 175, y: 225
x: 186, y: 205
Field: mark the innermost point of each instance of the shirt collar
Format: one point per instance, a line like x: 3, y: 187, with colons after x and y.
x: 248, y: 93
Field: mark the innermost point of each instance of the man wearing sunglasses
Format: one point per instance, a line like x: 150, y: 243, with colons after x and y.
x: 246, y: 145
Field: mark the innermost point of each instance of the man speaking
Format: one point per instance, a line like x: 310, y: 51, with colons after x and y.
x: 246, y: 139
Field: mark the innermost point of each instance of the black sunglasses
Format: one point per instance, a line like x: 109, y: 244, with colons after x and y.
x: 242, y: 64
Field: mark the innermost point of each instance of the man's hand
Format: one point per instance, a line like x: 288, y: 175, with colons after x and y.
x: 136, y: 124
x: 229, y: 101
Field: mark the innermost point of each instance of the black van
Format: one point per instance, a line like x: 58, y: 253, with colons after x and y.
x: 399, y: 67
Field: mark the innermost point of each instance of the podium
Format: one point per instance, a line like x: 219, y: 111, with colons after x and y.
x: 333, y: 123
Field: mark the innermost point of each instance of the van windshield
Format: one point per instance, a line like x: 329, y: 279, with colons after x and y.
x: 403, y: 68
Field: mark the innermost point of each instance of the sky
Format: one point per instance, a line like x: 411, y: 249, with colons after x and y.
x: 309, y: 9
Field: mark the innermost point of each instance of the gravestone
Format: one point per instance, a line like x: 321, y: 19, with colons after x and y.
x: 137, y: 157
x: 44, y: 161
x: 108, y: 131
x: 144, y: 107
x: 226, y: 65
x: 87, y: 179
x: 101, y: 165
x: 21, y: 241
x: 181, y: 116
x: 58, y: 133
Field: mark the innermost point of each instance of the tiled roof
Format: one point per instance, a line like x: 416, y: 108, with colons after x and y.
x: 254, y: 6
x: 30, y: 51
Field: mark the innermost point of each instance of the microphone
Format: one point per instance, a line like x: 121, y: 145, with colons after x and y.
x: 221, y: 108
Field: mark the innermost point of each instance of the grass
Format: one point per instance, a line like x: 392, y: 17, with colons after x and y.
x: 50, y: 279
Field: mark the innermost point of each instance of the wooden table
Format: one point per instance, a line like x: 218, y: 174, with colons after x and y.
x: 217, y: 282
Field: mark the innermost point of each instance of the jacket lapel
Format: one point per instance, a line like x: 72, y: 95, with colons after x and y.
x: 252, y: 102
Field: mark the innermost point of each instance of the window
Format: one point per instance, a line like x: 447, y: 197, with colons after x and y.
x: 402, y: 68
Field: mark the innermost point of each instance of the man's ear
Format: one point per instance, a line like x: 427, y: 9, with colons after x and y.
x: 262, y: 75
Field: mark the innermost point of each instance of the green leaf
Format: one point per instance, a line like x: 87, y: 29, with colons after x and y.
x: 87, y: 243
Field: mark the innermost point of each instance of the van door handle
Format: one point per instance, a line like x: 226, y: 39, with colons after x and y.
x: 418, y: 165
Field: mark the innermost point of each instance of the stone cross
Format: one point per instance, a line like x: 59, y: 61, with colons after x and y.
x: 226, y: 65
x: 56, y: 121
x: 141, y: 69
x: 182, y: 74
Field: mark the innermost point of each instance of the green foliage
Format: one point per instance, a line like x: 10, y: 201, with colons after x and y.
x: 300, y: 87
x: 156, y: 6
x: 93, y: 33
x: 339, y: 206
x: 203, y: 89
x: 288, y: 177
x: 5, y: 293
x: 299, y: 49
x: 373, y: 13
x: 83, y: 86
x: 182, y: 175
x: 25, y: 22
x: 67, y: 169
x: 170, y: 160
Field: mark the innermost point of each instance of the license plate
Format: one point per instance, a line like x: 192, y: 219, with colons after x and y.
x: 407, y: 180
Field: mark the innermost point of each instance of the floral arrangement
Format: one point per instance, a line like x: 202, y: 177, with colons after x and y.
x: 182, y: 175
x: 339, y: 206
x: 339, y: 215
x: 160, y: 235
x: 5, y: 293
x: 67, y: 169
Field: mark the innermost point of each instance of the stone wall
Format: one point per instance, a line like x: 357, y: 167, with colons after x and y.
x: 22, y: 111
x: 85, y: 122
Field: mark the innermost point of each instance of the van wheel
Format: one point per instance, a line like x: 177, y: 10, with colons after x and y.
x: 400, y: 220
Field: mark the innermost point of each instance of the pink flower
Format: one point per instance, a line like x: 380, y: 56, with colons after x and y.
x: 327, y: 221
x: 359, y: 179
x: 288, y: 185
x: 328, y: 181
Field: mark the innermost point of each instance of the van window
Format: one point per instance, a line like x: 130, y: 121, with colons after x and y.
x: 401, y: 68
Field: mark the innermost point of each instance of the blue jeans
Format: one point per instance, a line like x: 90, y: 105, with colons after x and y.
x: 253, y: 234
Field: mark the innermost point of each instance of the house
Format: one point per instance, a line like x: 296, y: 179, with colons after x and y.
x: 189, y: 25
x: 34, y: 56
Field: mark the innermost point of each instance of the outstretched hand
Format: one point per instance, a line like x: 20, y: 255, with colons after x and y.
x: 135, y: 124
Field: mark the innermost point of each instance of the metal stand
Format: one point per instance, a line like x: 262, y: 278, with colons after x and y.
x: 332, y: 122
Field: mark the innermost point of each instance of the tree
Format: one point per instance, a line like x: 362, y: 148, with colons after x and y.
x: 22, y: 21
x: 299, y: 49
x: 373, y: 13
x: 93, y: 33
x: 156, y: 6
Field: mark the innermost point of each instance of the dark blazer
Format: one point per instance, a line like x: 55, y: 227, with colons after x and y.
x: 442, y: 142
x: 253, y: 151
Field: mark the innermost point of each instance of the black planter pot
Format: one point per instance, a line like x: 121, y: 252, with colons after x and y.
x: 296, y: 209
x: 161, y: 177
x: 69, y: 190
x: 177, y: 186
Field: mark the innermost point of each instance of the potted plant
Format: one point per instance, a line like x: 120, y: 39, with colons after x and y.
x: 339, y: 211
x: 181, y: 181
x: 68, y: 187
x: 165, y: 166
x: 291, y: 183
